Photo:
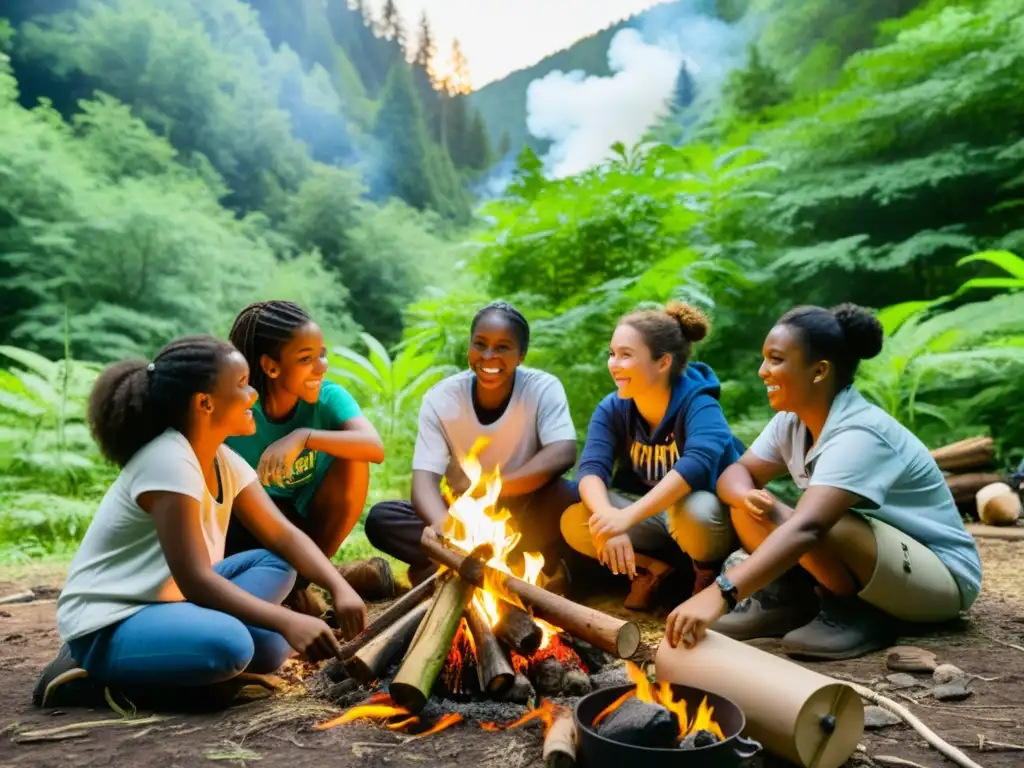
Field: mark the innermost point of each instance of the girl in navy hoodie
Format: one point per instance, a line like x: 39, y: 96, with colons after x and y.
x: 655, y: 449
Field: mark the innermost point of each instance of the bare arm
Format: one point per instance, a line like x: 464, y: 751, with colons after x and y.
x: 181, y: 537
x: 427, y: 499
x: 749, y: 473
x: 549, y: 462
x: 594, y: 493
x: 357, y: 440
x: 670, y: 489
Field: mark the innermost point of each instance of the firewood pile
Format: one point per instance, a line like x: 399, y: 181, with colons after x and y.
x: 980, y: 491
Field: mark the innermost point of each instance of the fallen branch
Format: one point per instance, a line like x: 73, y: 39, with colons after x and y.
x: 959, y: 710
x: 367, y: 664
x: 1002, y: 642
x: 18, y: 597
x: 1008, y: 533
x: 54, y: 734
x: 997, y: 746
x: 942, y: 746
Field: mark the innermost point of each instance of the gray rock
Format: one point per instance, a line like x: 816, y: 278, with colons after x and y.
x: 954, y: 691
x: 879, y: 717
x: 902, y: 680
x: 608, y: 677
x: 577, y: 683
x: 947, y: 673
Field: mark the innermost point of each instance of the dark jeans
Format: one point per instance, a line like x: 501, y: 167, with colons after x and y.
x: 395, y: 528
x: 183, y: 644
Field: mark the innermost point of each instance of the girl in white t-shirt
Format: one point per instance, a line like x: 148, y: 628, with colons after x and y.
x: 150, y: 602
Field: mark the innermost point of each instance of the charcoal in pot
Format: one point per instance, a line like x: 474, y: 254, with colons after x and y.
x: 698, y: 740
x: 640, y: 724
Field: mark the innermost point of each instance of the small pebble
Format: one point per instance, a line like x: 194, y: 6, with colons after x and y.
x: 698, y: 740
x: 947, y: 673
x: 577, y: 683
x: 954, y: 691
x: 879, y: 717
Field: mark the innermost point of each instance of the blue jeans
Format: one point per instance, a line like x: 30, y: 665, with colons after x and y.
x: 183, y: 644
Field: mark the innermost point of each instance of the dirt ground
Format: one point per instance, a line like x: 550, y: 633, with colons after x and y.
x: 276, y: 731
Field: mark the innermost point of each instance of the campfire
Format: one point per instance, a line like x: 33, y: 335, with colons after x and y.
x: 480, y: 629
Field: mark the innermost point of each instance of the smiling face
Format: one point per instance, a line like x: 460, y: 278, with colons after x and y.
x: 229, y: 405
x: 787, y: 373
x: 631, y: 365
x: 494, y: 352
x: 301, y: 365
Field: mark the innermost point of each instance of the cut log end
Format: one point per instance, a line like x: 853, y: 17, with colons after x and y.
x: 408, y: 695
x: 560, y: 742
x: 628, y: 640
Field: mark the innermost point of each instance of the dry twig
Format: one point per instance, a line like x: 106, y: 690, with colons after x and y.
x: 958, y: 710
x: 997, y: 746
x: 940, y: 744
x: 1002, y: 642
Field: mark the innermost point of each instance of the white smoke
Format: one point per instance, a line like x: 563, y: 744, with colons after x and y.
x: 584, y: 115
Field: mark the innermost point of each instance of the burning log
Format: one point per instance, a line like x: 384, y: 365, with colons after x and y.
x: 372, y: 659
x: 517, y: 629
x: 395, y: 611
x: 971, y: 454
x: 492, y: 665
x: 616, y: 636
x: 560, y: 741
x: 430, y: 645
x: 521, y: 691
x: 459, y: 678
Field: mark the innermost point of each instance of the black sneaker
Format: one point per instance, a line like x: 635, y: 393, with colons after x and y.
x: 845, y: 628
x: 63, y: 683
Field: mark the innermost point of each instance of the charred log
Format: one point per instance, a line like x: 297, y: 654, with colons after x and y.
x: 641, y: 724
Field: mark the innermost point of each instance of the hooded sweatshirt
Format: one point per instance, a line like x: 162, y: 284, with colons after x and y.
x: 693, y: 438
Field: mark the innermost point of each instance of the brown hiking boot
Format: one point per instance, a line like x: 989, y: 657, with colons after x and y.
x: 371, y: 579
x: 641, y: 593
x: 845, y: 628
x: 418, y: 574
x: 305, y: 600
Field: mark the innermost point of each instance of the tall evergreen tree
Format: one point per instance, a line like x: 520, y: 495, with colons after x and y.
x: 685, y: 89
x: 478, y: 144
x: 391, y: 26
x: 424, y: 75
x: 505, y: 146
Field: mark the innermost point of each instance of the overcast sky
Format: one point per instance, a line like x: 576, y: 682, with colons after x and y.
x: 499, y: 36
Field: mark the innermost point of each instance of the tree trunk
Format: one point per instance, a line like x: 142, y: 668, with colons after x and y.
x: 973, y: 453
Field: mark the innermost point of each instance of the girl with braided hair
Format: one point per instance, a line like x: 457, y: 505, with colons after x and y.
x: 875, y: 533
x: 151, y: 604
x: 523, y: 414
x: 655, y: 448
x: 311, y: 448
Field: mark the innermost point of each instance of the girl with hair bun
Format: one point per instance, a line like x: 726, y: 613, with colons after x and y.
x: 151, y: 605
x: 875, y: 532
x: 654, y: 451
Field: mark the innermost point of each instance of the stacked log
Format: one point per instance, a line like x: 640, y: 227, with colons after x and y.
x: 967, y: 466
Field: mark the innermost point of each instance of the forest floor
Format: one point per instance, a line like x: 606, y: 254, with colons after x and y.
x: 276, y: 731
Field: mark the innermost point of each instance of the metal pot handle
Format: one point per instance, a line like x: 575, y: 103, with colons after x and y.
x: 752, y: 748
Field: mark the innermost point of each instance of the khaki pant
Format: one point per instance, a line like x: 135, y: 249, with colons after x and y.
x: 910, y: 581
x: 698, y: 524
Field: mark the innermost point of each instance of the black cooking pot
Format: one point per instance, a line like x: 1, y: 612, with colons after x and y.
x: 595, y: 751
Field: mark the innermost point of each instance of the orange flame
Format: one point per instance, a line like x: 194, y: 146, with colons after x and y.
x: 662, y: 694
x: 446, y: 721
x: 475, y: 519
x: 546, y: 712
x: 381, y: 706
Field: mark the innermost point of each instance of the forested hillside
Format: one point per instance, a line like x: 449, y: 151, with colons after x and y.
x: 164, y: 163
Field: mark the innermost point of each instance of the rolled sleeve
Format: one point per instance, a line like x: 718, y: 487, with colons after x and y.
x: 859, y: 461
x: 707, y: 438
x: 769, y: 444
x: 337, y: 405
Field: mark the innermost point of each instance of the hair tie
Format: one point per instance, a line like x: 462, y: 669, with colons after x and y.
x: 151, y: 367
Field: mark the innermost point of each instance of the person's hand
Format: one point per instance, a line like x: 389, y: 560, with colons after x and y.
x: 759, y: 502
x: 310, y: 636
x: 609, y: 522
x: 349, y: 611
x: 278, y: 459
x: 690, y: 620
x: 617, y: 555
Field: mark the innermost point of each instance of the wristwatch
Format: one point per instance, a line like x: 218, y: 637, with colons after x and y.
x: 728, y: 589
